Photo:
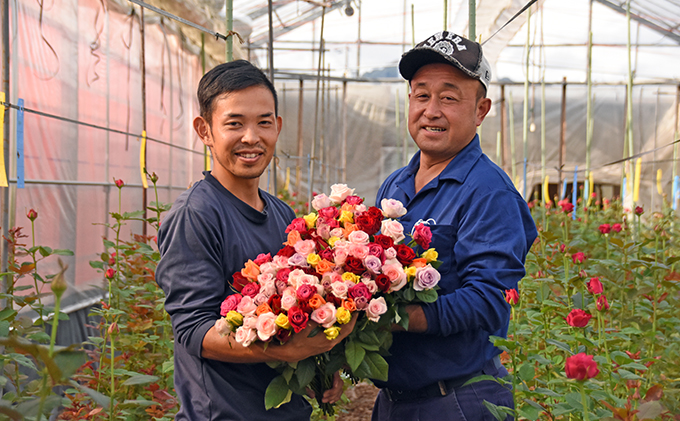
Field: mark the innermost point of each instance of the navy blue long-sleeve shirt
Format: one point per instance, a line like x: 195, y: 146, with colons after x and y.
x: 482, y: 230
x: 207, y: 236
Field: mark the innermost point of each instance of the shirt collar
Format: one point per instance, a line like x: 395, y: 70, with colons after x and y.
x: 458, y: 169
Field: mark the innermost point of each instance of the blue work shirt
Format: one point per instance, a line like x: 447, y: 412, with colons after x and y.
x: 482, y: 230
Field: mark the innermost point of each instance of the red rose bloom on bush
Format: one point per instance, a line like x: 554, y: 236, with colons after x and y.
x: 616, y: 227
x: 239, y: 281
x: 286, y: 251
x: 383, y: 282
x: 578, y: 257
x: 602, y: 303
x: 405, y: 254
x: 384, y: 241
x: 511, y: 296
x: 605, y: 228
x: 354, y: 265
x: 566, y: 205
x: 578, y: 318
x: 297, y: 318
x: 639, y: 210
x: 368, y: 223
x: 581, y: 367
x: 595, y: 286
x: 422, y: 236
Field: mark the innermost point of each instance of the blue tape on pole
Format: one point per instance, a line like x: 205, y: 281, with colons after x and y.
x: 564, y: 188
x: 586, y: 189
x: 676, y: 192
x: 623, y: 189
x: 20, y: 144
x: 525, y: 179
x: 574, y: 192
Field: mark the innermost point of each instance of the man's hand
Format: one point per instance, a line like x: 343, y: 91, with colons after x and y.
x: 333, y: 394
x: 417, y: 322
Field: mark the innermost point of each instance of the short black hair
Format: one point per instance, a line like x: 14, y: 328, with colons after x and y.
x: 229, y: 77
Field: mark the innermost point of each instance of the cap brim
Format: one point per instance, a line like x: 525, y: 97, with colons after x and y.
x: 413, y: 60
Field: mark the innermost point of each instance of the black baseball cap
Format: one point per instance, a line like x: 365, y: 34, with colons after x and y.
x: 449, y: 48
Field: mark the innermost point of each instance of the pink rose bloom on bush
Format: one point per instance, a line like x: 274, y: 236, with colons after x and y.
x: 392, y: 208
x: 245, y: 336
x: 266, y: 326
x: 578, y: 318
x: 230, y: 303
x: 376, y: 307
x: 581, y: 367
x: 426, y: 277
x: 246, y: 306
x: 305, y: 247
x: 616, y: 228
x: 578, y: 257
x: 358, y: 237
x: 392, y: 229
x: 595, y: 286
x: 325, y: 315
x: 605, y: 228
x: 602, y: 303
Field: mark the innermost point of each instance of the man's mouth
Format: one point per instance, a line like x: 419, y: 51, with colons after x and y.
x: 434, y: 129
x: 248, y: 155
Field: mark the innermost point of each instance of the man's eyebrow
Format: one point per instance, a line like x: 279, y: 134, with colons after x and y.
x: 446, y: 84
x: 236, y: 115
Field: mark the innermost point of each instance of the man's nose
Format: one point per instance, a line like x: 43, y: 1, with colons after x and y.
x: 250, y: 135
x: 432, y: 109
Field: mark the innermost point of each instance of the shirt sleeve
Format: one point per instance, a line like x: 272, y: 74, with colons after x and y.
x: 494, y: 235
x: 190, y: 272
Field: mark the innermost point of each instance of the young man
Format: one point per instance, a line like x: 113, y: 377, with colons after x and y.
x: 211, y: 231
x: 481, y: 228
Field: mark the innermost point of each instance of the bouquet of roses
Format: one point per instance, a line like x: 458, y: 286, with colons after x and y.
x: 333, y: 264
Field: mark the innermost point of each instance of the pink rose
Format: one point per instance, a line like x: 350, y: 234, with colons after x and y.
x: 222, y: 327
x: 426, y: 278
x: 298, y: 224
x: 325, y: 315
x: 230, y: 303
x: 298, y: 260
x: 305, y: 292
x: 354, y: 200
x: 392, y: 208
x: 397, y: 276
x: 358, y: 237
x: 280, y: 261
x: 337, y: 232
x: 390, y: 253
x: 305, y: 247
x: 370, y: 284
x: 392, y: 229
x: 340, y: 256
x: 422, y: 236
x: 245, y: 336
x: 376, y: 307
x: 265, y: 278
x: 260, y: 299
x: 268, y: 268
x: 339, y: 289
x: 262, y: 258
x: 359, y: 251
x: 320, y: 201
x: 361, y: 303
x: 359, y: 290
x: 246, y: 306
x: 266, y: 326
x: 288, y: 299
x: 339, y: 192
x: 251, y: 289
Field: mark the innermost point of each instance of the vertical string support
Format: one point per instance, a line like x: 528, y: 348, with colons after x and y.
x: 472, y: 16
x: 142, y: 152
x: 229, y: 23
x: 316, y: 111
x: 525, y: 120
x: 270, y: 51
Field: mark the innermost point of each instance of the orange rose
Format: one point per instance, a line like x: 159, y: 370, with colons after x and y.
x: 251, y: 271
x: 348, y: 305
x: 263, y: 308
x: 347, y: 207
x: 316, y: 301
x: 293, y: 237
x: 324, y: 266
x: 348, y: 229
x: 419, y: 263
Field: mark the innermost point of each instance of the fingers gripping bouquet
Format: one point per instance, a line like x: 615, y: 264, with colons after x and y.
x: 342, y: 259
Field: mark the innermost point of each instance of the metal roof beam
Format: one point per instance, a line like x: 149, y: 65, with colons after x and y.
x: 670, y: 34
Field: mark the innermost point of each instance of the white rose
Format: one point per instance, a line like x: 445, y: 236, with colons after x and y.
x: 392, y: 229
x: 339, y: 192
x: 392, y: 208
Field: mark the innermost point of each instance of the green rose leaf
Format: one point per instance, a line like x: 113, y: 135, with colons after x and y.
x: 277, y: 393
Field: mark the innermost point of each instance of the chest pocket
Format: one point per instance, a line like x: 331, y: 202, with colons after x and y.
x: 444, y: 239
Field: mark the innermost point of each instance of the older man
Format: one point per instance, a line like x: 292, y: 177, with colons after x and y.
x: 481, y: 228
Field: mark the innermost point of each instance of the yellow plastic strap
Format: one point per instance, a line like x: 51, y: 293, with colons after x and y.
x: 636, y: 186
x: 3, y: 171
x: 546, y: 198
x: 207, y: 160
x: 591, y: 185
x: 142, y: 160
x: 659, y: 174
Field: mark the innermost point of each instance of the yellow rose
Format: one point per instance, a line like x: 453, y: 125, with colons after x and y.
x: 346, y: 217
x: 343, y: 315
x: 331, y: 241
x: 411, y: 271
x: 282, y: 321
x: 313, y: 259
x: 349, y: 276
x: 234, y: 318
x: 332, y: 332
x: 310, y: 219
x: 430, y: 255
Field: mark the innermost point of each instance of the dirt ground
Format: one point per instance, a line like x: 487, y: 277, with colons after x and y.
x: 361, y: 399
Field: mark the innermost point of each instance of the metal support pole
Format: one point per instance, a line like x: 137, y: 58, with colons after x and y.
x: 504, y: 135
x: 563, y: 135
x: 5, y: 146
x: 343, y: 158
x: 358, y: 39
x: 143, y: 71
x: 472, y: 11
x: 229, y: 53
x: 274, y: 189
x: 300, y: 145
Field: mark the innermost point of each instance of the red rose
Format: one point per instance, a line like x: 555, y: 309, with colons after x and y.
x: 275, y: 303
x: 119, y: 183
x: 422, y: 236
x: 581, y: 367
x: 563, y: 248
x: 375, y: 212
x: 262, y: 258
x: 286, y: 251
x: 383, y: 282
x: 602, y: 303
x: 311, y: 271
x: 359, y: 290
x: 578, y: 257
x: 405, y: 254
x: 354, y: 200
x: 384, y: 241
x: 566, y: 206
x: 32, y: 214
x: 251, y: 289
x: 110, y: 273
x: 305, y: 292
x: 616, y: 227
x: 326, y: 254
x: 595, y: 286
x: 332, y: 223
x: 298, y: 224
x: 578, y: 318
x: 354, y: 265
x: 511, y: 296
x: 605, y: 228
x: 639, y: 210
x: 305, y: 307
x: 282, y: 275
x: 297, y: 318
x: 283, y: 335
x: 239, y: 281
x: 329, y: 213
x: 368, y: 223
x: 337, y: 302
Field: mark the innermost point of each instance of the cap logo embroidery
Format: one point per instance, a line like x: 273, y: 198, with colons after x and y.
x: 457, y: 41
x: 444, y: 47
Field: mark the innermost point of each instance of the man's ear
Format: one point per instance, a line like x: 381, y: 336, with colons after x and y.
x: 483, y: 107
x: 203, y: 131
x: 279, y: 124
